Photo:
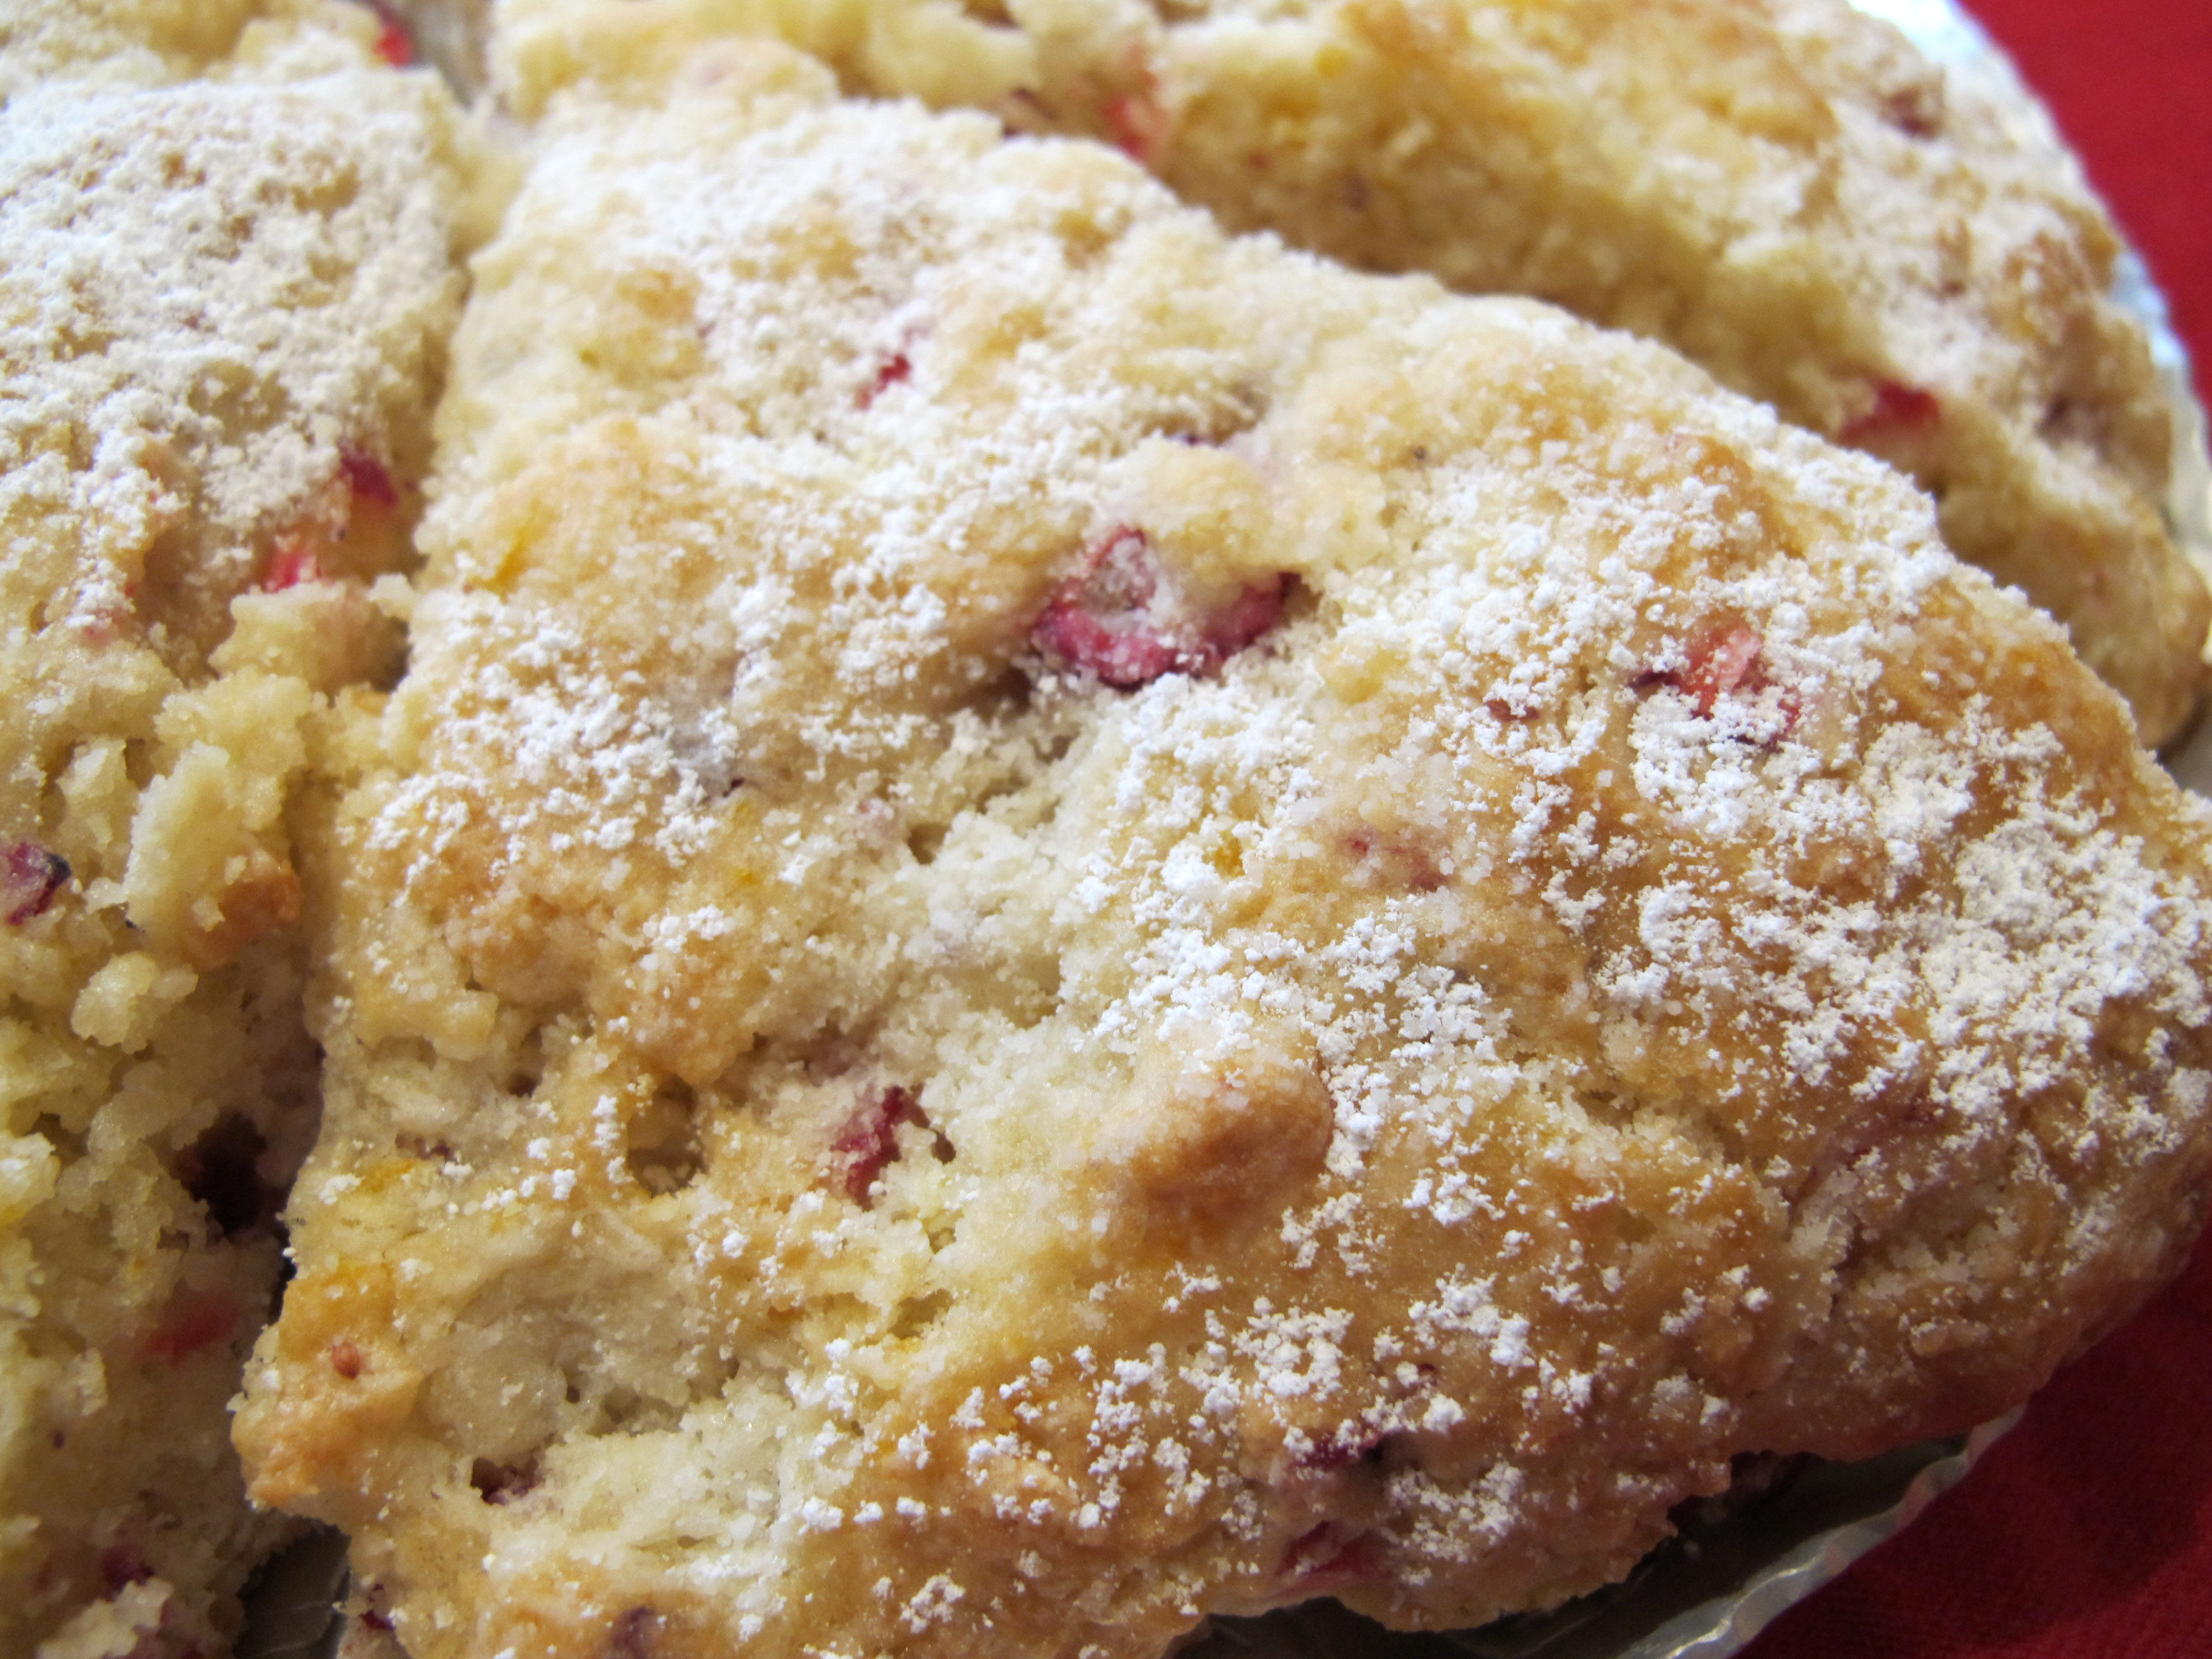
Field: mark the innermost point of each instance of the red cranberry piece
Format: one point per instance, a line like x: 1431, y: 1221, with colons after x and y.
x: 362, y: 491
x: 394, y: 45
x: 1331, y: 1557
x: 290, y: 563
x: 1136, y: 123
x: 868, y: 1143
x: 30, y: 876
x: 1723, y: 663
x: 1115, y: 622
x: 896, y: 370
x: 198, y: 1320
x: 1103, y: 620
x: 1124, y: 660
x: 1898, y: 408
x: 1723, y: 666
x: 1720, y: 663
x: 1398, y: 864
x: 366, y: 477
x: 1251, y: 614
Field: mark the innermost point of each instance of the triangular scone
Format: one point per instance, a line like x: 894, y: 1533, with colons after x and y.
x: 1781, y: 189
x: 223, y: 312
x: 1067, y: 922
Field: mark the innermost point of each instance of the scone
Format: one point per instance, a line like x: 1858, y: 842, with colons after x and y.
x: 1067, y: 923
x: 1782, y: 189
x: 223, y: 312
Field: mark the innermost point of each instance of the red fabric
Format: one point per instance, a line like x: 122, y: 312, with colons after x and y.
x: 2087, y: 1533
x: 2129, y: 82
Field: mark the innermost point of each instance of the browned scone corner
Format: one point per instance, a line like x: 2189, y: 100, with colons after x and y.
x: 1067, y: 923
x: 1782, y: 190
x: 224, y: 307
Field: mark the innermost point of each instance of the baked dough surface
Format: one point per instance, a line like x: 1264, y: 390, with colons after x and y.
x: 1895, y: 256
x: 1067, y: 923
x: 223, y: 312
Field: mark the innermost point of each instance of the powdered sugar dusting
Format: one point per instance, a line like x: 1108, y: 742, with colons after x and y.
x: 210, y: 288
x: 1389, y: 1108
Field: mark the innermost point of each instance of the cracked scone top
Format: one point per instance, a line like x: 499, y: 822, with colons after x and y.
x: 1067, y: 923
x: 223, y: 313
x: 1892, y: 253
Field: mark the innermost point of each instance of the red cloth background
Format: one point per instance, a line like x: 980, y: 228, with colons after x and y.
x: 2087, y: 1533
